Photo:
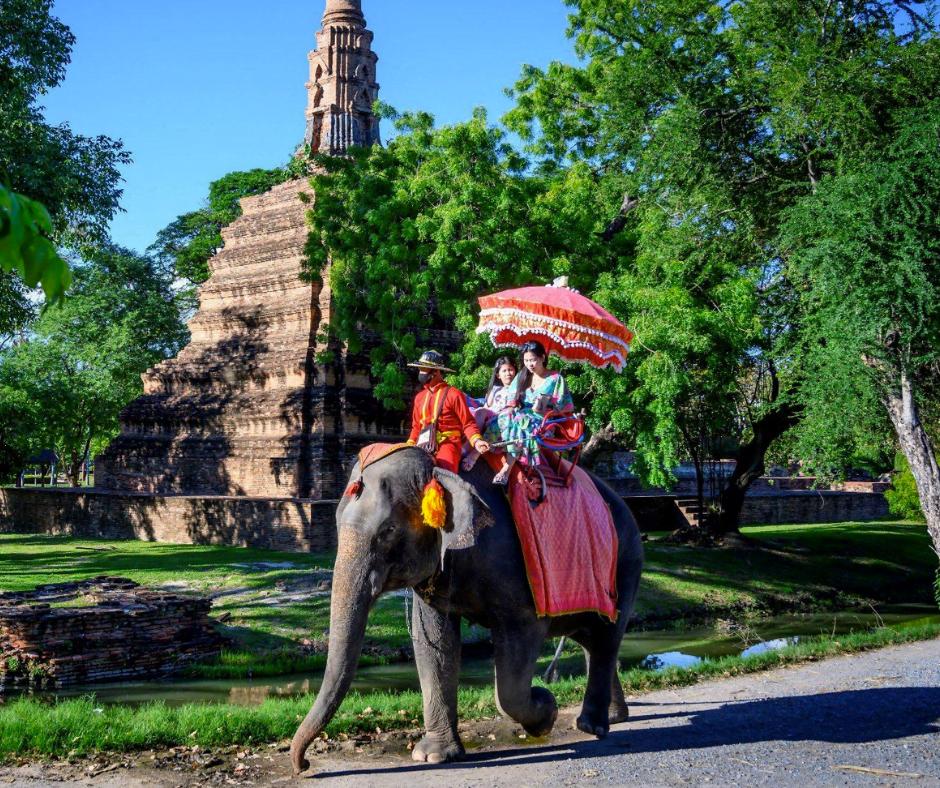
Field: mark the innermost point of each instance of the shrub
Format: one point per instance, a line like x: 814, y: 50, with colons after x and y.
x: 903, y: 500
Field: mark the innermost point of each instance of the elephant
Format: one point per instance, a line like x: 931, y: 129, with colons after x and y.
x: 472, y: 568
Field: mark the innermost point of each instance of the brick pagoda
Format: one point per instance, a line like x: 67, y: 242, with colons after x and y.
x: 245, y: 409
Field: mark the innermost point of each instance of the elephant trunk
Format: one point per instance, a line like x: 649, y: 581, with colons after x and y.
x: 354, y: 589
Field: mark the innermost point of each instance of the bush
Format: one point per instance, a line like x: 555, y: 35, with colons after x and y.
x: 903, y: 500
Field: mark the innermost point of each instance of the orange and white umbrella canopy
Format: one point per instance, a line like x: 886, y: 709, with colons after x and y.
x: 568, y: 324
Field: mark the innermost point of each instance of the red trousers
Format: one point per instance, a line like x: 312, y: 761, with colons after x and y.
x: 448, y: 455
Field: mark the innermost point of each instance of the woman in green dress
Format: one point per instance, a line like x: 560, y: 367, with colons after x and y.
x: 536, y: 391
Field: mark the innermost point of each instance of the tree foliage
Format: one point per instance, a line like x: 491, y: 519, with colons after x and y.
x: 66, y: 385
x: 712, y: 119
x: 416, y: 231
x: 56, y: 187
x: 26, y: 249
x: 903, y: 500
x: 75, y: 177
x: 863, y: 249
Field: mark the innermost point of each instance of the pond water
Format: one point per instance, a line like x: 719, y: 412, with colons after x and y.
x: 649, y: 650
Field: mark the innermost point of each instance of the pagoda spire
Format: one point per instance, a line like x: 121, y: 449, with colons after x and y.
x: 342, y: 86
x: 343, y: 10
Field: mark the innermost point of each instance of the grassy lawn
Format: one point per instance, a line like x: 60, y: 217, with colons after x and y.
x: 77, y: 727
x: 278, y: 610
x: 789, y: 567
x: 278, y: 603
x: 273, y: 600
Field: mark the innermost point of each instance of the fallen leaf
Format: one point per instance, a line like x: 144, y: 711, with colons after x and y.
x: 879, y: 772
x: 110, y: 768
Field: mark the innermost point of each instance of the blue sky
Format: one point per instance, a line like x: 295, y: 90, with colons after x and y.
x: 198, y: 88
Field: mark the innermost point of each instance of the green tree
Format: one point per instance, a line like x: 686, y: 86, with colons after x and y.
x: 903, y: 499
x: 702, y: 122
x: 66, y: 385
x: 75, y: 177
x: 56, y: 187
x: 412, y: 233
x: 863, y: 249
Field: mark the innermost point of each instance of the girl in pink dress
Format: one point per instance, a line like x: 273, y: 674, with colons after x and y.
x: 500, y: 399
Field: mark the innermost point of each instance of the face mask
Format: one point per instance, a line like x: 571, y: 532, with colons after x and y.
x: 424, y: 377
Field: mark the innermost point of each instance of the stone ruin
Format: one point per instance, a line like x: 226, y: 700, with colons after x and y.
x: 247, y: 409
x: 101, y: 630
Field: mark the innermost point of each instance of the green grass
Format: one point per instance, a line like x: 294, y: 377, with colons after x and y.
x: 33, y: 728
x: 245, y: 665
x: 789, y: 567
x: 782, y: 568
x: 250, y: 594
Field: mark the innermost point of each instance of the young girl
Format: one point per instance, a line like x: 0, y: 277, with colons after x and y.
x: 497, y: 400
x: 536, y: 391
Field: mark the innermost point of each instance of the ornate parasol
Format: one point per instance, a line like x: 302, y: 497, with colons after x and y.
x: 564, y: 321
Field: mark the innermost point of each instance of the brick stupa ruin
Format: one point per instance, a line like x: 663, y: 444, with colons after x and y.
x: 245, y: 438
x: 245, y: 409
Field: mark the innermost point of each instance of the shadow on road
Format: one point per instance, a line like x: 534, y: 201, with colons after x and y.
x: 857, y: 716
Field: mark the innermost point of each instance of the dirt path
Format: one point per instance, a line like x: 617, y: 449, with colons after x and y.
x: 866, y: 719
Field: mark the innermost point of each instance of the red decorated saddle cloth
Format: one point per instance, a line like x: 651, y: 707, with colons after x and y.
x: 570, y: 546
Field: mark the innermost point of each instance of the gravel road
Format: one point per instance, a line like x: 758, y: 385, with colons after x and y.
x: 871, y: 718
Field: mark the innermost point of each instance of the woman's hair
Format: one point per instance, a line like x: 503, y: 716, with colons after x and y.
x: 538, y: 349
x: 501, y: 362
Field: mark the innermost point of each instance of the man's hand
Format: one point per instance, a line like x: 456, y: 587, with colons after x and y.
x: 481, y: 446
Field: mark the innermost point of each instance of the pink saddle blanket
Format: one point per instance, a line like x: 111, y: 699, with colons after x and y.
x: 570, y: 547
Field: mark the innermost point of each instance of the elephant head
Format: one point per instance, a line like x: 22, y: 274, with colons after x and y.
x: 383, y: 545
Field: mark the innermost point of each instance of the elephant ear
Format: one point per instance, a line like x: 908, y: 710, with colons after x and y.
x: 467, y: 513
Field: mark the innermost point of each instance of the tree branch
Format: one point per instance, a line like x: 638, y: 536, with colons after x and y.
x: 620, y: 221
x: 598, y: 442
x: 916, y: 19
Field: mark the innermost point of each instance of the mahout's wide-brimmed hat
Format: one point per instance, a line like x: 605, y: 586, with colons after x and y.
x: 431, y: 359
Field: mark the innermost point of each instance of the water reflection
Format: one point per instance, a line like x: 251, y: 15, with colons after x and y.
x: 769, y: 645
x: 670, y: 659
x: 647, y: 650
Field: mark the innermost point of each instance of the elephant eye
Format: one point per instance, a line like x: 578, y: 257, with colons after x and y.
x: 388, y: 532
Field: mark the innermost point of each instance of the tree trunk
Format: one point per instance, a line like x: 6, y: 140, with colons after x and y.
x: 749, y: 466
x: 75, y: 470
x: 597, y: 443
x: 77, y: 463
x: 919, y: 451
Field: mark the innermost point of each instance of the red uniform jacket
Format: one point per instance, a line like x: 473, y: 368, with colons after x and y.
x: 455, y: 419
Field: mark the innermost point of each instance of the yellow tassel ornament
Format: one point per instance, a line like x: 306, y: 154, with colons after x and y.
x: 433, y: 505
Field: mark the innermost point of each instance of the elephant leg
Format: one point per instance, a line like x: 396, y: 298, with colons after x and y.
x: 515, y: 654
x: 619, y: 711
x: 603, y: 703
x: 436, y: 638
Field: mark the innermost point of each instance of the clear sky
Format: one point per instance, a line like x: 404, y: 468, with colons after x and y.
x: 199, y: 88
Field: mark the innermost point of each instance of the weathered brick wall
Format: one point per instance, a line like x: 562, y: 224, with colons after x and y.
x: 660, y: 513
x: 296, y: 525
x: 824, y: 506
x: 273, y: 523
x: 108, y: 630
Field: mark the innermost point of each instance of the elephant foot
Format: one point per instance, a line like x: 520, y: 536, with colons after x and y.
x: 592, y: 727
x: 432, y: 749
x: 544, y: 701
x: 618, y: 713
x: 299, y: 762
